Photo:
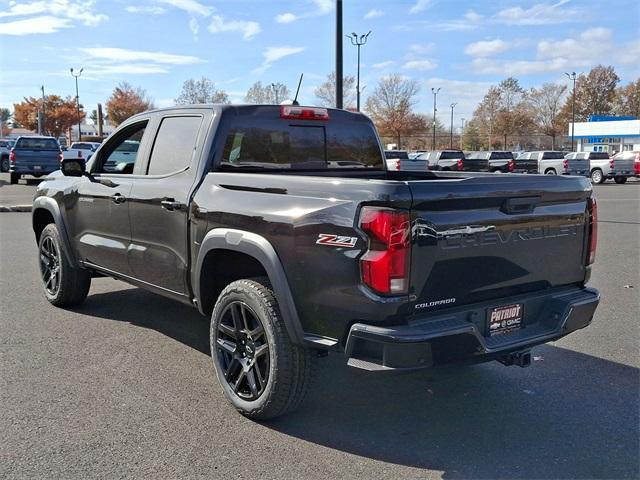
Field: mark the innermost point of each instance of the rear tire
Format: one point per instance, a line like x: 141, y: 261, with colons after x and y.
x: 14, y: 178
x: 597, y: 177
x: 550, y: 171
x: 64, y: 285
x: 5, y: 164
x: 262, y: 372
x: 620, y: 180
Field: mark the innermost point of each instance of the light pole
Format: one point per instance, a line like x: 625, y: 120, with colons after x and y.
x: 44, y: 111
x: 275, y: 92
x: 462, y: 135
x: 358, y: 41
x: 435, y: 95
x: 339, y: 54
x: 451, y: 140
x: 572, y: 76
x: 76, y: 76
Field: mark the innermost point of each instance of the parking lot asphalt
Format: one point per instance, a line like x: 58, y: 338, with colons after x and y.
x: 123, y: 387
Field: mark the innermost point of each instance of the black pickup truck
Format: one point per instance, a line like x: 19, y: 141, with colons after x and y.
x: 282, y: 225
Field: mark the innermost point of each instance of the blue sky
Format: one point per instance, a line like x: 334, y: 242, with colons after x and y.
x: 460, y: 46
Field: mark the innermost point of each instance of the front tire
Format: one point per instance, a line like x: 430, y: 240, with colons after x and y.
x: 262, y: 373
x: 64, y: 285
x: 550, y: 171
x: 620, y: 180
x: 597, y: 177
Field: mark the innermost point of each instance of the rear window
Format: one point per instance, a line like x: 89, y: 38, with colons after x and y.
x: 599, y: 156
x: 398, y: 154
x: 37, y: 143
x: 501, y: 156
x: 279, y: 144
x: 552, y: 155
x: 451, y: 155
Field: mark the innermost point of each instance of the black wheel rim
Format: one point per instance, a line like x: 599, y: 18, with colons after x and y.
x: 50, y: 265
x: 242, y: 351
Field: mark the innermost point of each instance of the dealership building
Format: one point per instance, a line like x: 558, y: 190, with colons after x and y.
x: 607, y: 134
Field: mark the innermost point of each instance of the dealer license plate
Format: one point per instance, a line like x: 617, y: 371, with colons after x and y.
x: 504, y: 319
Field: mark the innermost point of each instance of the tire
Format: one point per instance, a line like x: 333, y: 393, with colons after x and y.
x: 64, y: 285
x: 550, y: 171
x: 4, y: 164
x: 620, y: 180
x: 597, y: 177
x: 262, y: 373
x: 14, y: 178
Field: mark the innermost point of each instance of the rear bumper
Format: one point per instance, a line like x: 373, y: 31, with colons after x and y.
x: 462, y: 335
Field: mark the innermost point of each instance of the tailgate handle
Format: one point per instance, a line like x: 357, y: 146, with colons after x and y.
x: 520, y: 205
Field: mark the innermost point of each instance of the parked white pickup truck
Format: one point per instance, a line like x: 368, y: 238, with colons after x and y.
x: 81, y: 150
x: 599, y: 166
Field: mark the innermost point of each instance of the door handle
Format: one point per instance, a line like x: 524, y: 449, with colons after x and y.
x: 118, y: 198
x: 170, y: 204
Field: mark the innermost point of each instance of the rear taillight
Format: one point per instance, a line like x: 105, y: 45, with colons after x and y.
x: 593, y: 230
x: 511, y: 165
x: 565, y: 164
x: 612, y: 164
x: 459, y: 164
x: 294, y: 112
x: 60, y: 157
x: 636, y: 164
x: 385, y: 265
x: 12, y: 156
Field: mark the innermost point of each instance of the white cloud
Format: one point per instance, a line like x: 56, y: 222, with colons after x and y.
x: 248, y: 29
x: 538, y: 14
x: 126, y: 69
x: 273, y: 54
x: 381, y: 65
x: 121, y: 54
x: 77, y: 10
x: 322, y: 7
x: 286, y: 18
x: 194, y: 26
x: 150, y: 10
x: 421, y: 48
x: 485, y: 66
x: 373, y: 13
x: 190, y: 6
x: 486, y: 48
x: 589, y: 44
x: 420, y: 6
x: 42, y: 24
x: 466, y: 94
x: 420, y: 65
x: 473, y: 16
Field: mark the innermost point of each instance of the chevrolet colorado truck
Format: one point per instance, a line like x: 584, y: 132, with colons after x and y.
x: 283, y: 226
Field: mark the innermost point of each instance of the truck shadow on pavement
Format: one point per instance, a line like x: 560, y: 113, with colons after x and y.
x: 570, y: 415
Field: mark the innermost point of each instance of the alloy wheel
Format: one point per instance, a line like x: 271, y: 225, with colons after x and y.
x: 50, y: 266
x: 242, y: 350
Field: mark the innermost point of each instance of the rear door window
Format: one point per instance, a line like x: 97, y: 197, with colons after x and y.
x: 174, y: 145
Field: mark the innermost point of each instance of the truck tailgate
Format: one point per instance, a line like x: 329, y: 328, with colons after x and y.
x: 500, y: 236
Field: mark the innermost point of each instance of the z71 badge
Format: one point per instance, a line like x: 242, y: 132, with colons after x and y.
x: 336, y: 240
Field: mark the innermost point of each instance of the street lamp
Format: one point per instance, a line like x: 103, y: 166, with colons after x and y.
x: 76, y: 76
x: 435, y: 95
x: 451, y: 141
x: 358, y: 41
x: 275, y: 92
x: 572, y: 76
x: 462, y: 135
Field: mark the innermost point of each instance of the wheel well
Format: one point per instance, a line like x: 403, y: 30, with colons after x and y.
x: 221, y: 267
x: 41, y: 218
x: 550, y: 169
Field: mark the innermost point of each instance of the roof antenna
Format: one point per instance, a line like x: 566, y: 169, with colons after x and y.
x: 295, y: 100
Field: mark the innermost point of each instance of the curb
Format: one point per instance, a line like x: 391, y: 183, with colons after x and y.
x: 15, y: 208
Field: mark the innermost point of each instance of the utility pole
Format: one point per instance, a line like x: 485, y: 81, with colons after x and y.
x: 358, y: 42
x: 44, y: 111
x: 451, y: 140
x: 573, y: 76
x: 462, y: 135
x: 76, y: 76
x: 338, y: 53
x: 435, y: 95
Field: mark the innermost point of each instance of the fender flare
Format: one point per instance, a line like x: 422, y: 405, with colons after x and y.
x: 259, y: 248
x: 49, y: 204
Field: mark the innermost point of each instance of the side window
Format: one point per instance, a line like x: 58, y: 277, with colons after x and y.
x: 174, y: 145
x: 119, y: 154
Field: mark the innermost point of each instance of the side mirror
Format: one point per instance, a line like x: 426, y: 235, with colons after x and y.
x: 73, y: 167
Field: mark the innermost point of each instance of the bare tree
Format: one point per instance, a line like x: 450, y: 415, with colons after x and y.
x: 545, y: 103
x: 326, y: 92
x: 273, y: 93
x: 391, y: 107
x: 201, y: 91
